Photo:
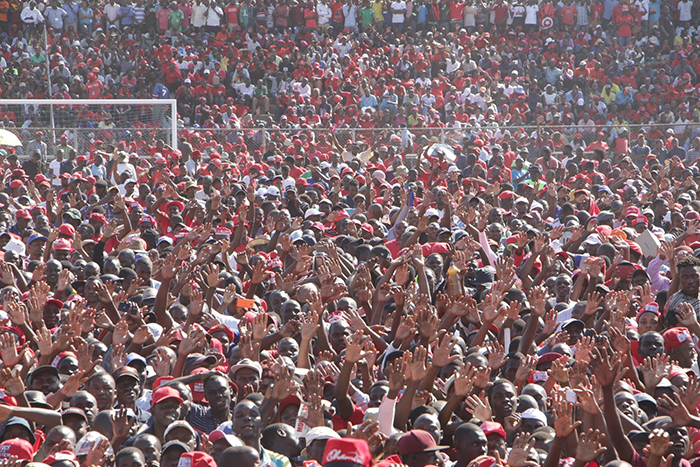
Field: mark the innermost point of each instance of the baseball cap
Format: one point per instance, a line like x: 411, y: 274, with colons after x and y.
x: 535, y: 414
x: 164, y: 393
x: 319, y: 432
x: 19, y: 448
x: 232, y: 440
x: 343, y: 451
x: 179, y: 424
x: 196, y: 459
x: 62, y: 244
x: 246, y: 363
x: 674, y: 337
x: 493, y: 428
x: 126, y: 372
x: 36, y: 236
x: 416, y: 441
x: 23, y: 214
x: 66, y: 229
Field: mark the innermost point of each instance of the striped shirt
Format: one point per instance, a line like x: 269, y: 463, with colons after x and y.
x: 139, y: 14
x: 675, y: 300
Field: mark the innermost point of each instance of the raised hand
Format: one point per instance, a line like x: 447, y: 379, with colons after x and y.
x: 355, y: 349
x: 479, y: 407
x: 442, y: 352
x: 418, y: 364
x: 564, y: 423
x: 121, y: 423
x: 518, y: 455
x: 590, y: 446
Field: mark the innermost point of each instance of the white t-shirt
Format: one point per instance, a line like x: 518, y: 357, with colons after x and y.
x: 684, y: 10
x: 55, y: 169
x: 531, y: 14
x: 398, y: 18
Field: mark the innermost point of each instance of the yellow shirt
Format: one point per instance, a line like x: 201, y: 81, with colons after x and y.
x: 378, y: 8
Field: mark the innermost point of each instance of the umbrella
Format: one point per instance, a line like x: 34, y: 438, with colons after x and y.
x: 7, y: 138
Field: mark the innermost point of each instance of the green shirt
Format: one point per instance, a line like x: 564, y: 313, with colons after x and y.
x: 260, y: 91
x: 367, y: 15
x: 176, y: 18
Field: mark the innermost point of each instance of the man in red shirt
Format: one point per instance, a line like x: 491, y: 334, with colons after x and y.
x: 568, y: 15
x: 623, y: 18
x: 231, y: 12
x: 94, y: 86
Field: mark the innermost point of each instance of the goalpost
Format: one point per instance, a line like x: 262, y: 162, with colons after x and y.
x: 87, y: 122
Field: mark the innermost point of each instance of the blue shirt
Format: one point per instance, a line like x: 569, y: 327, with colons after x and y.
x: 422, y: 13
x: 72, y: 12
x: 654, y: 15
x: 621, y: 98
x: 161, y: 92
x: 127, y: 20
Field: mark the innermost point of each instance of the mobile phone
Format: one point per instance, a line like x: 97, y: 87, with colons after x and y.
x: 124, y: 306
x: 411, y: 197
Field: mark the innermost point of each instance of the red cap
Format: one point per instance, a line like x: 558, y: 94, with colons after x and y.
x: 506, y: 194
x: 163, y: 393
x: 652, y: 307
x: 16, y: 183
x: 196, y: 459
x: 20, y: 448
x: 62, y: 244
x: 175, y: 203
x: 346, y: 450
x: 415, y: 441
x: 66, y: 229
x: 62, y: 456
x: 23, y: 214
x: 98, y: 217
x: 640, y: 220
x: 493, y: 428
x: 632, y: 211
x: 674, y: 337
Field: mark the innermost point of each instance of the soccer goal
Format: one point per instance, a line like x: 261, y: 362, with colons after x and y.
x: 86, y: 124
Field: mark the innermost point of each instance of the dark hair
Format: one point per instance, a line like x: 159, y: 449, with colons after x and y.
x: 688, y: 262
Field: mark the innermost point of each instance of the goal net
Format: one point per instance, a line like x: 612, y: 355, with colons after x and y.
x: 90, y: 124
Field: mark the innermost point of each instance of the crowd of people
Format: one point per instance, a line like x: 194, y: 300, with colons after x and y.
x: 475, y: 297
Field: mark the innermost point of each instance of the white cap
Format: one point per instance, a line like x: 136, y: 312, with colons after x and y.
x: 273, y: 191
x: 288, y: 183
x: 312, y: 212
x: 320, y: 432
x: 179, y: 424
x: 534, y: 414
x: 432, y: 212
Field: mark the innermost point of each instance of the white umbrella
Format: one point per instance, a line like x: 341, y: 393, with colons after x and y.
x: 7, y: 138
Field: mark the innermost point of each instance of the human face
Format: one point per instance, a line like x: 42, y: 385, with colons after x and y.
x: 130, y: 460
x: 218, y: 393
x: 45, y: 382
x: 166, y: 411
x: 497, y: 445
x: 627, y: 404
x: 171, y: 457
x: 651, y: 345
x: 245, y: 376
x: 147, y: 445
x: 472, y: 445
x: 127, y: 391
x: 686, y: 354
x: 562, y: 288
x: 503, y: 400
x: 339, y: 330
x: 376, y: 394
x: 247, y: 421
x: 690, y: 280
x: 421, y: 459
x: 648, y: 322
x: 103, y: 391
